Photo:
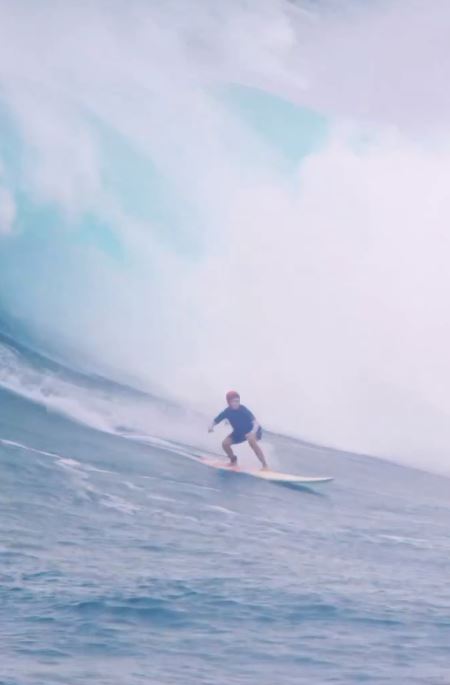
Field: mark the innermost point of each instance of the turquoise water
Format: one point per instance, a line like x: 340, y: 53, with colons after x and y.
x: 178, y: 221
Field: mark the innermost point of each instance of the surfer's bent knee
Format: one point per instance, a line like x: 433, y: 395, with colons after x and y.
x: 253, y: 438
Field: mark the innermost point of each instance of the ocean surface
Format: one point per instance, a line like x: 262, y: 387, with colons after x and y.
x: 197, y: 196
x: 125, y: 562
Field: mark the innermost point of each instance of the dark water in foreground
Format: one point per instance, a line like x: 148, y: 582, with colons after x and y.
x: 124, y: 563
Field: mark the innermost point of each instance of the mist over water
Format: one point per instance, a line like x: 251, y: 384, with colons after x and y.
x: 254, y: 195
x: 197, y: 196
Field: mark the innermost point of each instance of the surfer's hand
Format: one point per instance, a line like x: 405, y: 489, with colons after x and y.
x: 211, y: 429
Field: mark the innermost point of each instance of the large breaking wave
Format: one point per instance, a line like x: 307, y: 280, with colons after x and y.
x: 244, y: 196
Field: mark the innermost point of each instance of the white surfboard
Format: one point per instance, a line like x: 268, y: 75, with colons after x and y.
x: 272, y: 476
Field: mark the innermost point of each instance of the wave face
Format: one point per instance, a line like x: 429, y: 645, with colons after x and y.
x: 197, y: 196
x: 194, y: 198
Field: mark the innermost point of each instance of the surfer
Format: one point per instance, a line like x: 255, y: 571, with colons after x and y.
x: 245, y: 427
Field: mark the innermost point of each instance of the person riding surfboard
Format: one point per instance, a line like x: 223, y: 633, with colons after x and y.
x: 245, y: 428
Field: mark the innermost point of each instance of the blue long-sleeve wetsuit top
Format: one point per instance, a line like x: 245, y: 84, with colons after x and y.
x: 241, y: 419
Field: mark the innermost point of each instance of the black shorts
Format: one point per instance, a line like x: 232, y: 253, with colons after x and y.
x: 237, y: 438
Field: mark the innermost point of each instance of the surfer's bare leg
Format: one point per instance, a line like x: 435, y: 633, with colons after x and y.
x: 253, y: 442
x: 228, y: 450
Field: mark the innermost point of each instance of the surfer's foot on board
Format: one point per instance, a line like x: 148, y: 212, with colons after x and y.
x: 233, y: 461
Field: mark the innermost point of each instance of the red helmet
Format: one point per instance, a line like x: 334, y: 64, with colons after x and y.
x: 232, y: 395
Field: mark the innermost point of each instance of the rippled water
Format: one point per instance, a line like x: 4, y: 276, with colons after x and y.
x: 128, y: 563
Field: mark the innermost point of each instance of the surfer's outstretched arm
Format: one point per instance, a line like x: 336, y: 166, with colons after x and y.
x: 221, y: 417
